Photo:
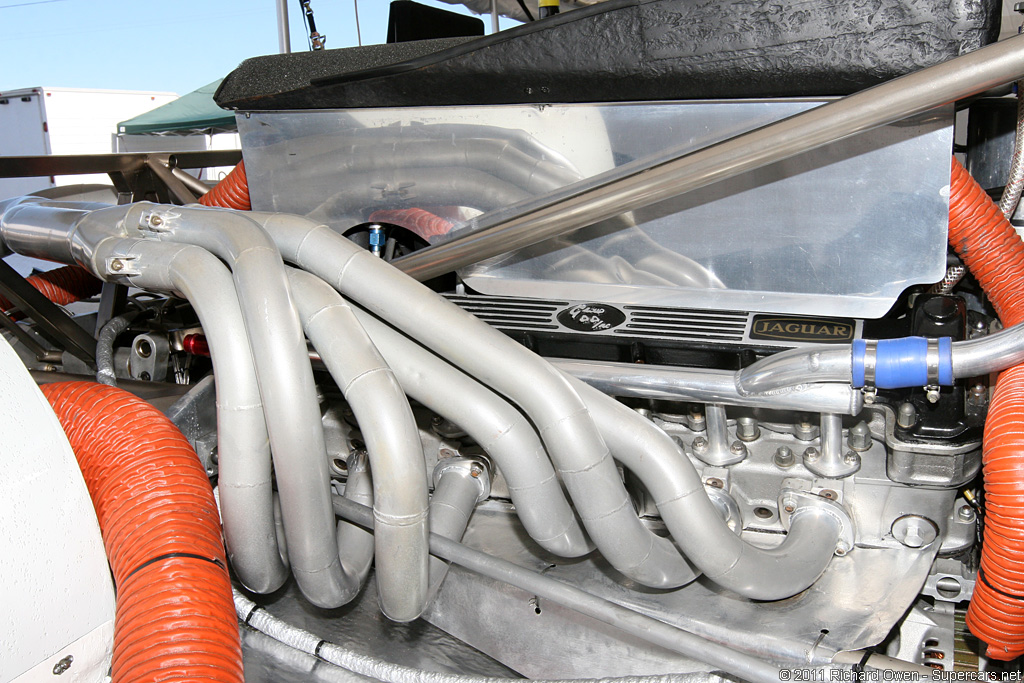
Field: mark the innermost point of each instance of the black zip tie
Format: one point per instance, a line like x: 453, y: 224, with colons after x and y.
x: 981, y: 575
x: 316, y: 650
x: 858, y: 668
x: 170, y: 556
x: 254, y: 610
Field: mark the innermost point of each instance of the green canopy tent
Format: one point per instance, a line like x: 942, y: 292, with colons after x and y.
x: 192, y: 113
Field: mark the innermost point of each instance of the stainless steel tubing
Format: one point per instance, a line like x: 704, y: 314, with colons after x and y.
x: 991, y: 353
x: 286, y: 382
x: 695, y: 523
x: 196, y: 186
x: 795, y: 369
x: 702, y: 385
x: 245, y: 483
x: 355, y: 543
x: 392, y: 442
x: 640, y: 184
x: 561, y: 417
x: 651, y: 630
x: 60, y: 231
x: 459, y: 484
x: 501, y: 430
x: 781, y: 373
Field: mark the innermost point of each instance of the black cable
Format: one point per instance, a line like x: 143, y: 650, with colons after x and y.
x: 522, y: 3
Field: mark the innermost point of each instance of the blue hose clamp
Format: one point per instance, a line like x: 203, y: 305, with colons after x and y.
x: 901, y: 363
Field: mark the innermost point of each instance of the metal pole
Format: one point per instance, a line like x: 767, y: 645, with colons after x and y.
x: 284, y: 40
x: 644, y: 183
x: 494, y: 16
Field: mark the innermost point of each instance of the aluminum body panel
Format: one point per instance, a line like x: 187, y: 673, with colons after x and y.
x: 844, y: 228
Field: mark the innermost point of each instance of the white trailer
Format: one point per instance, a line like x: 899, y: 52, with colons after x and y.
x: 35, y: 121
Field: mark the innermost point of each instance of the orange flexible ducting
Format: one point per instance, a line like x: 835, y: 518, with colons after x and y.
x: 62, y: 286
x: 175, y: 618
x: 993, y: 252
x: 230, y: 193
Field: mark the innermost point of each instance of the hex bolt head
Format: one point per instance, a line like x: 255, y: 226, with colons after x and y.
x: 746, y: 429
x: 852, y: 459
x: 156, y: 221
x: 932, y: 393
x: 805, y: 430
x: 784, y: 457
x: 737, y: 448
x: 116, y: 265
x: 700, y: 445
x: 966, y: 513
x: 907, y: 415
x: 812, y: 454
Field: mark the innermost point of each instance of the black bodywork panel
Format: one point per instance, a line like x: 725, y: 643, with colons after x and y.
x: 626, y: 50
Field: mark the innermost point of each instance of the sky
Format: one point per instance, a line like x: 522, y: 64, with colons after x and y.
x: 170, y: 46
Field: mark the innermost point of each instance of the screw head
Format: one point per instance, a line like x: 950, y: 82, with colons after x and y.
x: 737, y: 448
x: 117, y: 265
x: 700, y: 444
x: 715, y: 483
x: 812, y: 454
x: 932, y: 394
x: 155, y: 220
x: 851, y: 459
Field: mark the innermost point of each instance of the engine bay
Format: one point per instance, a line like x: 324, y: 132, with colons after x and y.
x: 668, y: 388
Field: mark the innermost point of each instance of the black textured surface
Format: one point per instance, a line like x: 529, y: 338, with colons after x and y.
x: 636, y: 50
x: 273, y: 75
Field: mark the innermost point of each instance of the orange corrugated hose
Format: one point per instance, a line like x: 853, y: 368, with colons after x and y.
x: 175, y: 618
x: 990, y: 247
x: 230, y: 193
x: 63, y: 286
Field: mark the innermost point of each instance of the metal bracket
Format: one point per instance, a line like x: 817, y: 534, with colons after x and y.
x: 793, y: 503
x: 474, y: 468
x: 52, y: 322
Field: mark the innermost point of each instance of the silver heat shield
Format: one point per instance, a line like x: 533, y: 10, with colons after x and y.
x: 842, y: 229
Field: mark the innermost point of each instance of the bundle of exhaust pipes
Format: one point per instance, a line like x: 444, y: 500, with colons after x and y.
x: 262, y: 284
